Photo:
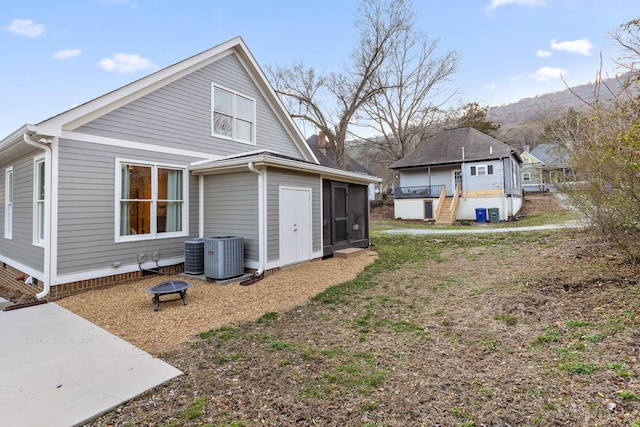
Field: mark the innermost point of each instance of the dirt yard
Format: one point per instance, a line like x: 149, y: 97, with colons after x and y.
x: 508, y: 329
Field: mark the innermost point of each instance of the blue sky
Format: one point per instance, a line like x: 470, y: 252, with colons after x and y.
x: 55, y: 55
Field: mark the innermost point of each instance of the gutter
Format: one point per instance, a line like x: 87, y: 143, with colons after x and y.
x: 43, y: 144
x: 261, y: 215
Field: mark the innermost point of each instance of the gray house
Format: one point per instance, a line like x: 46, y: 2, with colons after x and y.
x: 555, y: 169
x: 202, y: 148
x: 453, y: 174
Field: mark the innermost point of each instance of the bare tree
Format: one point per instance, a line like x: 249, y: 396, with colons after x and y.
x: 404, y: 113
x: 606, y: 157
x: 383, y: 24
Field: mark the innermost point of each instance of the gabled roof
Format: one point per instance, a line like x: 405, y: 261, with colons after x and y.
x: 530, y: 159
x: 268, y: 158
x: 325, y: 157
x: 551, y: 154
x: 82, y: 114
x: 464, y: 144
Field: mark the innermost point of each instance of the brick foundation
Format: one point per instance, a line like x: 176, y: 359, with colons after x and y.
x: 8, y: 277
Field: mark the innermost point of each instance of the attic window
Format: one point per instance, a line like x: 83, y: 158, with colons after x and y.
x: 482, y: 170
x: 233, y: 115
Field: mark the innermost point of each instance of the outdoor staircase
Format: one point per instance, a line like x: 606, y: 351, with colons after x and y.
x: 447, y: 207
x: 446, y: 216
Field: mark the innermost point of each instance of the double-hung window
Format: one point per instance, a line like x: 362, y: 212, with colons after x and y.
x: 38, y: 201
x: 151, y: 201
x: 481, y: 170
x: 526, y: 176
x: 8, y: 202
x: 233, y: 115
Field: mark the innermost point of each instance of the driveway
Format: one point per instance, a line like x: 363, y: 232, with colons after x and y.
x: 59, y: 369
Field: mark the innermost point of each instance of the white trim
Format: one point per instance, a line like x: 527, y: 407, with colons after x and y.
x: 30, y: 271
x: 37, y: 221
x: 153, y: 233
x: 111, y: 271
x: 8, y: 204
x: 123, y: 143
x: 222, y: 166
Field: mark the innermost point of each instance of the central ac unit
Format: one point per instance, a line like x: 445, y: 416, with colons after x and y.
x: 194, y: 256
x: 223, y: 257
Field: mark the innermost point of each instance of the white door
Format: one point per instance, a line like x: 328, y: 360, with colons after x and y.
x: 456, y: 178
x: 295, y: 225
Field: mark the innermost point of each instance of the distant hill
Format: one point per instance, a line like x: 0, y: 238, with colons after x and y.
x: 550, y: 104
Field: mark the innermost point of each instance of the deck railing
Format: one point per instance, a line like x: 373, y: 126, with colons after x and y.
x: 421, y: 192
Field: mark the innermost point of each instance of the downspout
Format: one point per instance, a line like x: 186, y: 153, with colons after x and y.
x: 261, y: 215
x: 43, y: 145
x: 201, y: 206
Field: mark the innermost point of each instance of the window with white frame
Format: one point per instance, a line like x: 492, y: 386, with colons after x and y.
x: 233, y: 115
x: 38, y: 201
x: 151, y: 201
x: 526, y: 176
x: 482, y: 170
x: 8, y: 202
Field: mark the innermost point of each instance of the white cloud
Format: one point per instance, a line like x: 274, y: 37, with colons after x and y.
x: 546, y: 74
x: 543, y: 53
x: 580, y: 46
x: 125, y: 63
x: 531, y: 3
x: 25, y: 27
x: 66, y: 53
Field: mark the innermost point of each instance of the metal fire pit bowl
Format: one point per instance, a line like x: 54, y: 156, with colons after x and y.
x: 166, y: 288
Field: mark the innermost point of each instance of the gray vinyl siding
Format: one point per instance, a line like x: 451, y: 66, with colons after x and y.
x: 486, y: 182
x: 281, y: 177
x: 20, y: 248
x: 86, y: 209
x: 231, y: 209
x: 179, y: 114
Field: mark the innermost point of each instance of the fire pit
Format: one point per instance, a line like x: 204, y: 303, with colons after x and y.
x: 167, y: 288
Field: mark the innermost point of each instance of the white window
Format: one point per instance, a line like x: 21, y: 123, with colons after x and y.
x: 8, y: 202
x: 38, y: 201
x: 526, y: 176
x: 151, y: 201
x: 482, y: 170
x: 233, y: 115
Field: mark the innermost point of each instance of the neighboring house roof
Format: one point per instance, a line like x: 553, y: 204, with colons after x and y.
x: 551, y: 154
x: 83, y: 114
x: 324, y: 152
x: 464, y: 144
x: 530, y: 159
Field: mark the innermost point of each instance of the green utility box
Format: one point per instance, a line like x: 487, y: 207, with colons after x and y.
x: 493, y: 214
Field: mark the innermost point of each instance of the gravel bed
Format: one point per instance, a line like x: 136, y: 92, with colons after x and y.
x: 127, y: 310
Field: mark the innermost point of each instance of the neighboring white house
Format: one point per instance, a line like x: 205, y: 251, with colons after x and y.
x: 484, y: 170
x: 202, y: 148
